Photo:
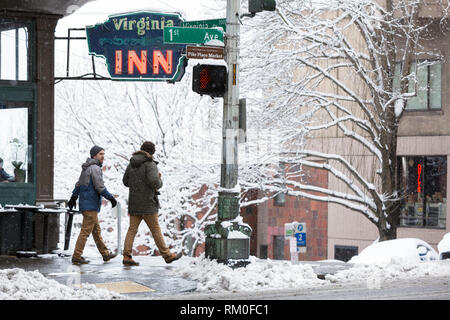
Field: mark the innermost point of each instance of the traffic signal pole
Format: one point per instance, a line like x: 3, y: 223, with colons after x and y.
x: 228, y: 239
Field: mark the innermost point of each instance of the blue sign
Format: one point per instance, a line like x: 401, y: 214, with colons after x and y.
x: 133, y: 46
x: 301, y: 239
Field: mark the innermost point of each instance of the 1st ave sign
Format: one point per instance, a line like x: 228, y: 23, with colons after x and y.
x: 192, y: 35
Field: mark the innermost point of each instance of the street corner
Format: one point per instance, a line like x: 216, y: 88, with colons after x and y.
x: 152, y: 278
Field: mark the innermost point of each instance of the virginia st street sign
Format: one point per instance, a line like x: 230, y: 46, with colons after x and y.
x: 205, y: 24
x: 133, y: 46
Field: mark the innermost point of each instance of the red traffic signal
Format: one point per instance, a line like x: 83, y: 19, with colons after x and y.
x: 209, y: 80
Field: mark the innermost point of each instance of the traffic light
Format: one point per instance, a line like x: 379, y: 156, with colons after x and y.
x: 255, y: 6
x: 210, y: 80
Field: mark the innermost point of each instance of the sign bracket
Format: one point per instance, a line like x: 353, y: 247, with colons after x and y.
x: 87, y: 76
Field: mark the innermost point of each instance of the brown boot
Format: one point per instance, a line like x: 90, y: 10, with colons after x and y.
x: 128, y: 261
x: 80, y: 260
x: 109, y: 256
x: 172, y: 257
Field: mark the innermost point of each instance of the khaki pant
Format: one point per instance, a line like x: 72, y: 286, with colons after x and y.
x: 90, y: 225
x: 152, y: 222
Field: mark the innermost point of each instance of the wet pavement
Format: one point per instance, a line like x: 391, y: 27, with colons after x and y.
x: 152, y: 273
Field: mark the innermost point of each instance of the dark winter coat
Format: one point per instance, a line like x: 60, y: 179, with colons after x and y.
x: 142, y: 177
x: 5, y: 176
x: 90, y: 187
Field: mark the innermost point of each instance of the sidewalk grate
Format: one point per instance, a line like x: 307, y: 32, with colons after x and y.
x: 124, y: 287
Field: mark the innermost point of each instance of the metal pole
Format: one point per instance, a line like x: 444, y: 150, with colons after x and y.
x: 230, y: 129
x: 119, y: 228
x: 224, y: 249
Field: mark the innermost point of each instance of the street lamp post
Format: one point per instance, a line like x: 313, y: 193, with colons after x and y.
x: 228, y: 239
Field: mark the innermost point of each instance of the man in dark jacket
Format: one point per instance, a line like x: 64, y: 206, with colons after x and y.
x: 4, y: 176
x: 144, y: 180
x: 90, y: 188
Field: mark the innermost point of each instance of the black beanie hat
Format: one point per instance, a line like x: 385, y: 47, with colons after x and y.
x: 148, y: 146
x: 95, y: 150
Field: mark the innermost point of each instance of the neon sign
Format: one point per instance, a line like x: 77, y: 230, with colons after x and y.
x: 132, y: 45
x: 419, y: 183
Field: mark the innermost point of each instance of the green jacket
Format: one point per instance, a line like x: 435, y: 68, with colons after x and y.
x: 142, y: 177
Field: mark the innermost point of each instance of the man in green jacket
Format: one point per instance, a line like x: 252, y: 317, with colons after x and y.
x: 143, y: 179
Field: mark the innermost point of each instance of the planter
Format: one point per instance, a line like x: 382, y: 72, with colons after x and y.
x: 20, y: 175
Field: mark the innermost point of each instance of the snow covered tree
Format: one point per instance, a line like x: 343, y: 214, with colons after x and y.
x: 342, y: 72
x: 121, y: 116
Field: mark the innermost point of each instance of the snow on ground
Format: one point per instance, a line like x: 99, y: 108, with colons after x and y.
x: 384, y: 261
x: 259, y: 274
x: 17, y: 284
x: 276, y: 274
x: 397, y: 269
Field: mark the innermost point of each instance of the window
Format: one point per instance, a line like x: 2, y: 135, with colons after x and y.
x: 16, y: 138
x: 278, y: 247
x: 15, y: 58
x: 428, y: 77
x: 424, y: 181
x: 345, y: 253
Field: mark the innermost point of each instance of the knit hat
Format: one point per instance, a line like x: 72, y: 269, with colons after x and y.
x: 148, y: 146
x: 95, y: 150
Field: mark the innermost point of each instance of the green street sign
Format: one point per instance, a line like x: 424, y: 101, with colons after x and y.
x: 191, y: 35
x: 212, y: 23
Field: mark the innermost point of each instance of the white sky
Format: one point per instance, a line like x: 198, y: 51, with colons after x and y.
x: 98, y: 11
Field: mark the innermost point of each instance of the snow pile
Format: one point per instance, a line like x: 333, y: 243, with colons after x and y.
x: 394, y: 260
x: 444, y: 244
x: 396, y: 269
x: 408, y: 250
x: 258, y: 275
x: 18, y: 284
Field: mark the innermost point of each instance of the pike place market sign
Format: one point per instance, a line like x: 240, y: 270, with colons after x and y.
x: 133, y: 46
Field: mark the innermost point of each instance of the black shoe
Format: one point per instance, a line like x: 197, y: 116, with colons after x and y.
x: 109, y: 256
x: 80, y: 260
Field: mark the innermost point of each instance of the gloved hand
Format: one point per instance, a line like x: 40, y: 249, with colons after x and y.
x: 72, y: 202
x: 113, y: 202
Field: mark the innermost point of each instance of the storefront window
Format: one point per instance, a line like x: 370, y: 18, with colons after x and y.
x: 15, y: 142
x: 14, y: 51
x: 424, y: 180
